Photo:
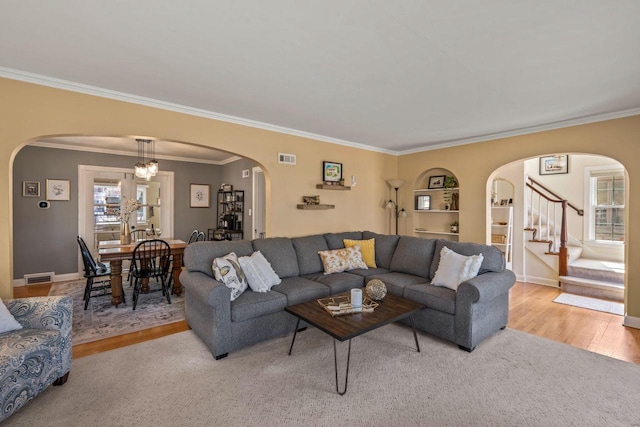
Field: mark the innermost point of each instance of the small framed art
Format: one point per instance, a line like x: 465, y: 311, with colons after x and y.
x: 552, y: 165
x: 331, y: 172
x: 30, y: 189
x: 57, y: 189
x: 423, y: 203
x: 436, y: 181
x: 200, y: 196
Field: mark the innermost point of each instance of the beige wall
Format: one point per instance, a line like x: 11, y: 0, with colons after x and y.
x: 31, y: 111
x: 473, y: 164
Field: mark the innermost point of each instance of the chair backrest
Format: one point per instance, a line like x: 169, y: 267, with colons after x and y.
x: 201, y: 237
x: 151, y: 258
x: 90, y: 266
x: 138, y: 235
x: 193, y: 237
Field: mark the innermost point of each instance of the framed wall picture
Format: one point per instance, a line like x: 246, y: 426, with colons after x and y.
x: 423, y: 203
x: 552, y: 165
x: 331, y: 172
x: 57, y: 189
x: 436, y: 181
x: 30, y: 189
x: 200, y: 196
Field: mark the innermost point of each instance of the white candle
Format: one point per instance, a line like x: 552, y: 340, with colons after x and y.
x: 356, y: 297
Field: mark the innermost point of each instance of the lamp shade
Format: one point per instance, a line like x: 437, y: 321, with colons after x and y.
x: 395, y: 183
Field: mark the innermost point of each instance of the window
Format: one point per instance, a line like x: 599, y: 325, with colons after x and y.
x: 141, y: 197
x: 106, y: 202
x: 606, y: 205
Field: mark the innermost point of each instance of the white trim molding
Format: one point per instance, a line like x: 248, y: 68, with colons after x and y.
x: 632, y: 322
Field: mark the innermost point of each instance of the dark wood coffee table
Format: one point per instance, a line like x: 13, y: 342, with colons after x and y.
x: 346, y: 327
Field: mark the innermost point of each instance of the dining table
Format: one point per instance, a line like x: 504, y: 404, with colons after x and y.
x: 114, y: 252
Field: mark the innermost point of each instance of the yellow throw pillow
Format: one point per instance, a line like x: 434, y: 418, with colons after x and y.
x: 368, y: 248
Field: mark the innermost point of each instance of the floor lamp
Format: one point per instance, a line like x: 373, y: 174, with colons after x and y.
x: 396, y: 184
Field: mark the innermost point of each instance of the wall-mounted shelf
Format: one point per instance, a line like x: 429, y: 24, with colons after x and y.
x: 332, y: 187
x: 316, y: 207
x: 435, y: 232
x: 420, y: 190
x: 433, y: 210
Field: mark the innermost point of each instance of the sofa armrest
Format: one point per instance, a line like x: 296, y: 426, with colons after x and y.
x: 205, y: 289
x: 53, y: 312
x: 487, y: 286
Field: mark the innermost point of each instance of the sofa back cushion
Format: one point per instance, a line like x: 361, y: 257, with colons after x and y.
x: 199, y: 256
x: 335, y: 240
x: 413, y: 255
x: 280, y: 254
x: 493, y: 260
x: 385, y: 247
x: 307, y: 249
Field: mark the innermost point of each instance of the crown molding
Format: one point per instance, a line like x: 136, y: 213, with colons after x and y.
x: 527, y: 130
x: 149, y: 102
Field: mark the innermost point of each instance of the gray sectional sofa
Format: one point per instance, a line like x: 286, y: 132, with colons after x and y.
x: 405, y: 264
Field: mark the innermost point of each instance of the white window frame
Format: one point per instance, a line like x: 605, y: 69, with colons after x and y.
x: 590, y: 197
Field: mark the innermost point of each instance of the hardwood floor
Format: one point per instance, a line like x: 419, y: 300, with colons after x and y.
x: 532, y: 310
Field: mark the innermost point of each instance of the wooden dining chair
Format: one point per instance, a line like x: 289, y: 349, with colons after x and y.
x: 151, y: 259
x: 138, y: 235
x: 201, y: 237
x: 193, y: 237
x: 94, y: 270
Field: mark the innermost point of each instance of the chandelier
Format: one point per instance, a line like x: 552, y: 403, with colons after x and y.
x: 146, y: 150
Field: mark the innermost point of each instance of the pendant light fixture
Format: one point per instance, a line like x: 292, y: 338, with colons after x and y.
x: 143, y: 168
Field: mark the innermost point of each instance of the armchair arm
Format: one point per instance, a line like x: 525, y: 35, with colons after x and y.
x: 487, y: 286
x: 206, y: 289
x: 53, y: 312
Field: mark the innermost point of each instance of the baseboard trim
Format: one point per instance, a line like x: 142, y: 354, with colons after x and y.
x: 541, y: 281
x: 632, y: 322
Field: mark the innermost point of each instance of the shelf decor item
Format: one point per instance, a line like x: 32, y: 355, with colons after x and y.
x: 311, y: 200
x: 552, y: 165
x: 423, y: 203
x: 376, y: 289
x: 331, y: 172
x: 436, y: 181
x: 339, y: 306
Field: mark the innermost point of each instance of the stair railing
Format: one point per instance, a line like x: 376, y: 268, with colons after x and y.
x: 547, y: 200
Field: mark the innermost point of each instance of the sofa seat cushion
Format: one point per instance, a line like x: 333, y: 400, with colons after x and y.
x: 435, y: 297
x: 338, y: 282
x: 254, y: 304
x: 299, y: 289
x: 396, y: 282
x: 368, y: 272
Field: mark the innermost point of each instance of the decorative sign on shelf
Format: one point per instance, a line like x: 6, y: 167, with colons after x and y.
x: 311, y: 200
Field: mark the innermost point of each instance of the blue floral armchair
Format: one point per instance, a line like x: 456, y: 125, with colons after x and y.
x: 39, y: 354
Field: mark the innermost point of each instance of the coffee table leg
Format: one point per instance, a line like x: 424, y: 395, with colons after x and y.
x: 414, y: 334
x: 335, y: 360
x: 294, y: 336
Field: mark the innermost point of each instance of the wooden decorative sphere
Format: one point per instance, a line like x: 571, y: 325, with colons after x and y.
x: 376, y: 289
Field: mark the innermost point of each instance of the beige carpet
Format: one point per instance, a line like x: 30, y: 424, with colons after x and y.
x: 512, y: 379
x: 103, y: 320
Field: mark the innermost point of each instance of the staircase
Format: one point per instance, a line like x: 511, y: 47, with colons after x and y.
x: 553, y: 245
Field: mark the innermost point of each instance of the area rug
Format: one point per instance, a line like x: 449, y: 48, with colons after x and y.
x: 103, y: 320
x: 591, y: 303
x: 511, y: 379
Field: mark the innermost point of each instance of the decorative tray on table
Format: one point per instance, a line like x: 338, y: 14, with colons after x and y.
x: 339, y: 306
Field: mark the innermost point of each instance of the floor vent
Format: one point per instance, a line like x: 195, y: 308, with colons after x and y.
x: 38, y: 278
x: 286, y: 159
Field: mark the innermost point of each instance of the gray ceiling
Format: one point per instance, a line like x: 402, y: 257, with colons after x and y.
x: 393, y: 76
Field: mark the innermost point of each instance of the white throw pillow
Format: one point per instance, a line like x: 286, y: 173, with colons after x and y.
x: 7, y: 321
x: 259, y: 272
x: 338, y: 260
x: 455, y: 268
x: 227, y: 270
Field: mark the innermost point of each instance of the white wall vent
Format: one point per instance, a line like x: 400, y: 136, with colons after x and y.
x: 287, y: 159
x: 38, y: 278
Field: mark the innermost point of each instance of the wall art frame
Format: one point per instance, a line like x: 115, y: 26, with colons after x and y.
x: 436, y: 181
x: 199, y: 195
x: 331, y: 171
x: 30, y: 189
x: 58, y: 189
x: 554, y: 165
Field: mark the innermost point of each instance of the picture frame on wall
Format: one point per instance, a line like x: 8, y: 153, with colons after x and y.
x: 553, y: 165
x: 423, y: 203
x: 331, y: 171
x: 436, y: 181
x: 200, y: 196
x: 58, y: 189
x: 30, y: 189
